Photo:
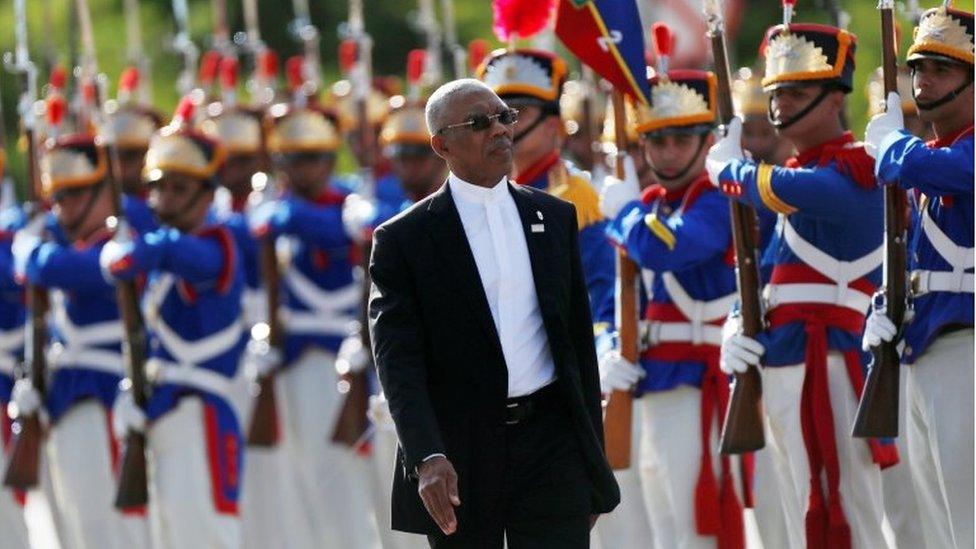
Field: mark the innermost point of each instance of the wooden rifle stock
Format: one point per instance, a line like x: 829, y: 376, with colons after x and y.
x: 877, y: 413
x: 743, y: 428
x: 263, y: 431
x: 618, y: 416
x: 23, y: 468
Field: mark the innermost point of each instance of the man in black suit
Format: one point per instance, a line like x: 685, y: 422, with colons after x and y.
x: 481, y: 332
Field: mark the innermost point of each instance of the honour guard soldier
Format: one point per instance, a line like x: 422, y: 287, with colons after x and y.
x: 876, y: 103
x: 938, y: 338
x: 12, y: 502
x: 759, y: 136
x: 531, y: 81
x: 582, y: 111
x: 826, y: 263
x: 131, y: 124
x: 679, y: 230
x: 192, y: 306
x: 86, y: 352
x: 321, y: 300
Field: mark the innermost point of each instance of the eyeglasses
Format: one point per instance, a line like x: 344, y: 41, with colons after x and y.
x: 481, y: 122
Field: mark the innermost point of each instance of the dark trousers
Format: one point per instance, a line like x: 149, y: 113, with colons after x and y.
x: 544, y: 501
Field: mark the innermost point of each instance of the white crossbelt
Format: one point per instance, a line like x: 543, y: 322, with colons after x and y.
x: 960, y: 258
x: 698, y: 312
x: 163, y: 371
x: 329, y: 309
x: 79, y: 349
x: 841, y: 272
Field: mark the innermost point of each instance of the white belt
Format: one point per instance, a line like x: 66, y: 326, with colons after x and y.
x: 957, y: 282
x: 12, y: 341
x: 163, y: 371
x: 99, y: 360
x: 313, y: 323
x: 8, y: 364
x: 201, y: 350
x: 697, y: 311
x: 829, y: 294
x: 684, y: 332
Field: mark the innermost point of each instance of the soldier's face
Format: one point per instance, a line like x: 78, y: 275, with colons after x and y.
x: 306, y: 173
x: 418, y: 173
x: 536, y: 134
x: 760, y: 139
x: 235, y: 174
x: 669, y: 155
x: 129, y: 171
x: 788, y: 102
x: 82, y: 211
x: 933, y: 79
x: 180, y: 201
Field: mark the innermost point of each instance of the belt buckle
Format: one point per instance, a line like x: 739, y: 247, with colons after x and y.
x: 915, y: 283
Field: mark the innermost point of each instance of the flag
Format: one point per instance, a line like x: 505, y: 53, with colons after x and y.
x: 607, y: 36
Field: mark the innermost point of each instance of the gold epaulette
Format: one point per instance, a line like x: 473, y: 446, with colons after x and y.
x: 575, y: 187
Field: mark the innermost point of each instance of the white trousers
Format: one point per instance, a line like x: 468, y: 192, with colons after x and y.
x: 332, y: 482
x: 384, y: 462
x: 670, y: 460
x: 181, y: 505
x: 860, y: 477
x: 901, y: 504
x: 83, y: 481
x: 767, y: 499
x: 13, y: 527
x: 628, y: 526
x: 940, y: 439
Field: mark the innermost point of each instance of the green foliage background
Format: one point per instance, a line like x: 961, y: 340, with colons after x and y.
x: 390, y: 23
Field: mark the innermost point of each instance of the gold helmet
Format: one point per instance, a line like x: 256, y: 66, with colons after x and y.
x: 238, y: 128
x: 572, y: 102
x: 130, y: 125
x: 70, y: 162
x: 178, y: 148
x: 748, y: 95
x: 310, y: 129
x: 806, y: 53
x: 342, y: 99
x: 405, y: 128
x: 944, y: 33
x: 608, y: 138
x: 524, y: 73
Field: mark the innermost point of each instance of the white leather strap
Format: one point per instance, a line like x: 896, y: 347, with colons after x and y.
x: 97, y: 333
x: 696, y: 311
x: 924, y: 282
x: 99, y: 360
x: 201, y: 350
x: 12, y: 341
x: 841, y: 272
x: 829, y: 294
x: 8, y: 364
x: 323, y: 301
x: 684, y: 332
x: 163, y: 371
x: 314, y: 323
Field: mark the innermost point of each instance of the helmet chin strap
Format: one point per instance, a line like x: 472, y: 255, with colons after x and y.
x: 93, y: 193
x: 684, y: 171
x: 806, y: 110
x: 531, y: 127
x: 945, y: 98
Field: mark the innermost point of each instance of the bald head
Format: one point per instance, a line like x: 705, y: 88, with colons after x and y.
x: 448, y: 99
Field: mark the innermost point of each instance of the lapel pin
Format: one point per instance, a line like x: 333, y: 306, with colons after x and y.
x: 539, y: 214
x: 538, y: 227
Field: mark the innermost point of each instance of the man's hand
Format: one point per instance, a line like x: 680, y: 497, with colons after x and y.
x: 438, y: 489
x: 593, y: 520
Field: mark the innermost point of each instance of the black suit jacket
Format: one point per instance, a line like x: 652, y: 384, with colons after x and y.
x: 439, y: 357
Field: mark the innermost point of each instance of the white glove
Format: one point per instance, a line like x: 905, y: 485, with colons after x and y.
x: 260, y: 359
x: 353, y: 357
x: 26, y: 240
x: 357, y: 213
x: 726, y: 150
x: 883, y: 124
x: 115, y: 249
x: 739, y: 351
x: 617, y: 373
x: 24, y: 400
x: 616, y: 193
x: 259, y: 214
x: 878, y: 328
x: 127, y: 415
x: 379, y: 413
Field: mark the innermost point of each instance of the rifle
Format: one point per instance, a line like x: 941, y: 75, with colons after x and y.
x: 586, y: 130
x: 351, y: 423
x: 183, y: 44
x: 308, y: 35
x: 263, y: 431
x: 134, y: 52
x: 743, y: 427
x: 132, y: 488
x: 261, y: 84
x: 22, y: 471
x: 427, y: 21
x: 458, y: 53
x: 618, y: 416
x: 877, y: 413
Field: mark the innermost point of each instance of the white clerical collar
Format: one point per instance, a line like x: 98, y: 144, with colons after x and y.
x: 462, y: 190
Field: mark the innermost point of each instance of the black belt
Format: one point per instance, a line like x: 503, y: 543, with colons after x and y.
x: 519, y: 409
